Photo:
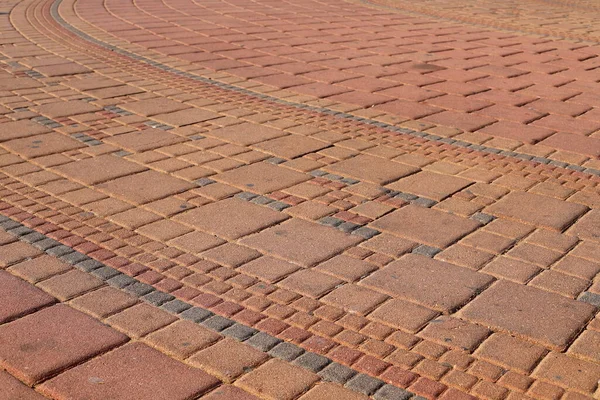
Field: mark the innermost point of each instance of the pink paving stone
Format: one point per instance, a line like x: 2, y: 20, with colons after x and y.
x: 50, y: 340
x: 12, y: 389
x: 134, y: 371
x: 20, y: 297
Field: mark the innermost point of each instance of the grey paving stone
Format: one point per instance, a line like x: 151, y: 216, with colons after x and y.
x: 318, y: 173
x: 120, y: 281
x: 32, y: 237
x: 336, y: 372
x: 46, y: 244
x: 138, y: 288
x: 312, y: 361
x: 157, y: 298
x: 286, y: 351
x: 105, y: 273
x: 59, y: 250
x: 389, y: 392
x: 347, y: 227
x: 247, y: 196
x: 20, y: 231
x: 263, y: 341
x: 330, y: 221
x: 217, y: 323
x: 175, y: 306
x: 425, y: 250
x: 196, y: 314
x: 406, y: 196
x: 278, y: 205
x: 89, y: 265
x: 423, y: 202
x: 74, y: 257
x: 590, y: 298
x: 483, y: 218
x: 364, y: 384
x: 239, y: 332
x: 262, y: 200
x: 203, y: 182
x: 365, y: 232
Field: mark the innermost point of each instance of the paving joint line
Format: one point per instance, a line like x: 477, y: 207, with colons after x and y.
x: 322, y: 110
x: 326, y: 368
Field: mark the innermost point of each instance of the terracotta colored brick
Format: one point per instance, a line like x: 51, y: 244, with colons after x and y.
x: 424, y: 225
x: 229, y: 392
x: 487, y: 390
x: 447, y: 286
x: 50, y: 340
x: 291, y: 146
x: 354, y: 298
x: 402, y: 314
x: 569, y: 372
x: 70, y: 284
x: 14, y: 252
x: 140, y: 320
x: 455, y: 333
x: 98, y: 169
x: 516, y: 309
x: 427, y: 388
x: 144, y: 140
x: 371, y: 169
x: 431, y: 185
x: 19, y: 297
x: 103, y: 302
x: 13, y: 389
x: 346, y: 268
x: 132, y: 371
x: 262, y: 177
x: 277, y: 380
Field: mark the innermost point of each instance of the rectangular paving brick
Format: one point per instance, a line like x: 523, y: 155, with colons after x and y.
x: 66, y: 108
x: 231, y: 218
x: 20, y: 297
x: 13, y: 389
x: 262, y: 177
x: 434, y: 284
x: 371, y: 169
x: 246, y: 134
x: 21, y: 129
x: 424, y: 225
x: 157, y: 105
x: 98, y: 169
x: 430, y: 185
x: 144, y: 140
x: 537, y: 210
x: 50, y: 340
x: 43, y: 145
x: 301, y: 242
x: 291, y: 146
x: 134, y: 371
x: 535, y: 314
x: 145, y: 186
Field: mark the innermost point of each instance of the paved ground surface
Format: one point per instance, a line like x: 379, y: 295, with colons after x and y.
x: 299, y: 200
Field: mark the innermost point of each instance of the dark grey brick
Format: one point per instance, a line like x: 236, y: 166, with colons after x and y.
x: 263, y: 341
x: 425, y: 250
x: 423, y: 202
x: 347, y: 227
x: 59, y: 250
x: 350, y: 181
x: 286, y: 351
x: 4, y: 219
x: 312, y: 361
x: 196, y: 314
x: 20, y: 231
x: 406, y: 196
x: 278, y: 205
x: 330, y: 221
x: 121, y: 153
x: 365, y: 232
x: 175, y: 306
x: 120, y: 281
x: 203, y: 182
x: 336, y: 372
x: 275, y: 160
x: 364, y: 384
x: 239, y: 332
x: 262, y: 200
x: 75, y: 257
x: 590, y: 298
x: 105, y: 273
x: 318, y: 173
x: 217, y: 323
x: 9, y: 224
x: 483, y: 218
x: 32, y: 237
x: 333, y: 177
x: 247, y: 196
x: 157, y: 298
x: 89, y: 265
x: 138, y: 288
x: 389, y: 392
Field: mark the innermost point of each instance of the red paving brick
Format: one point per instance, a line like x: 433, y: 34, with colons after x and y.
x: 282, y: 200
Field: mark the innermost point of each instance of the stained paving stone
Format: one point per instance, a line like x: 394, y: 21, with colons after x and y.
x: 41, y: 344
x: 144, y: 140
x: 262, y: 177
x: 301, y: 242
x: 230, y: 218
x: 42, y: 145
x: 371, y: 169
x: 434, y: 284
x: 20, y: 297
x: 432, y: 227
x: 537, y: 315
x: 145, y: 187
x: 132, y: 371
x: 537, y: 210
x: 98, y: 169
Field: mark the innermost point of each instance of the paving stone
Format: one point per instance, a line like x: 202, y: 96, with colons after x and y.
x: 354, y: 298
x: 39, y: 268
x: 291, y: 146
x: 98, y: 169
x: 569, y: 372
x: 312, y: 361
x: 537, y: 210
x: 140, y: 320
x: 432, y: 227
x: 364, y: 384
x: 430, y: 185
x: 13, y: 389
x: 286, y: 351
x: 182, y: 339
x: 103, y: 302
x: 371, y: 169
x: 66, y: 108
x: 15, y: 252
x: 263, y: 341
x: 144, y: 140
x: 157, y: 105
x: 510, y: 352
x: 175, y: 306
x: 262, y: 177
x: 196, y: 314
x: 301, y: 242
x: 337, y: 373
x: 145, y: 187
x: 435, y: 284
x: 239, y: 332
x: 230, y: 218
x: 41, y: 344
x: 217, y: 323
x: 186, y: 117
x: 132, y: 371
x: 404, y: 315
x: 517, y: 309
x: 389, y: 392
x: 21, y: 129
x: 19, y: 297
x: 327, y: 390
x: 246, y: 134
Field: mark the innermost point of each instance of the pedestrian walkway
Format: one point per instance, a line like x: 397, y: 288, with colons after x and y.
x: 299, y: 200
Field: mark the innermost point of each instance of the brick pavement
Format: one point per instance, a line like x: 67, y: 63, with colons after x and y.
x: 341, y: 200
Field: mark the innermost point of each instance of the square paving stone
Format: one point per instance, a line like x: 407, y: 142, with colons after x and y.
x: 268, y: 269
x: 20, y: 129
x: 354, y: 298
x: 134, y: 371
x: 310, y: 283
x: 66, y: 108
x: 144, y: 140
x: 43, y: 145
x: 371, y: 169
x: 16, y: 251
x: 535, y: 314
x: 424, y: 225
x: 537, y: 210
x: 20, y: 297
x: 50, y: 340
x: 12, y: 389
x: 150, y: 107
x: 145, y: 187
x: 246, y: 134
x: 301, y: 242
x: 98, y: 169
x: 434, y: 284
x: 430, y: 185
x: 401, y: 314
x: 114, y: 91
x: 231, y: 218
x: 291, y: 146
x: 186, y: 117
x: 262, y: 177
x: 92, y: 81
x: 587, y: 227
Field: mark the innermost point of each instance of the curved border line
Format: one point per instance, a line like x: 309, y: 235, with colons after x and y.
x: 323, y: 110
